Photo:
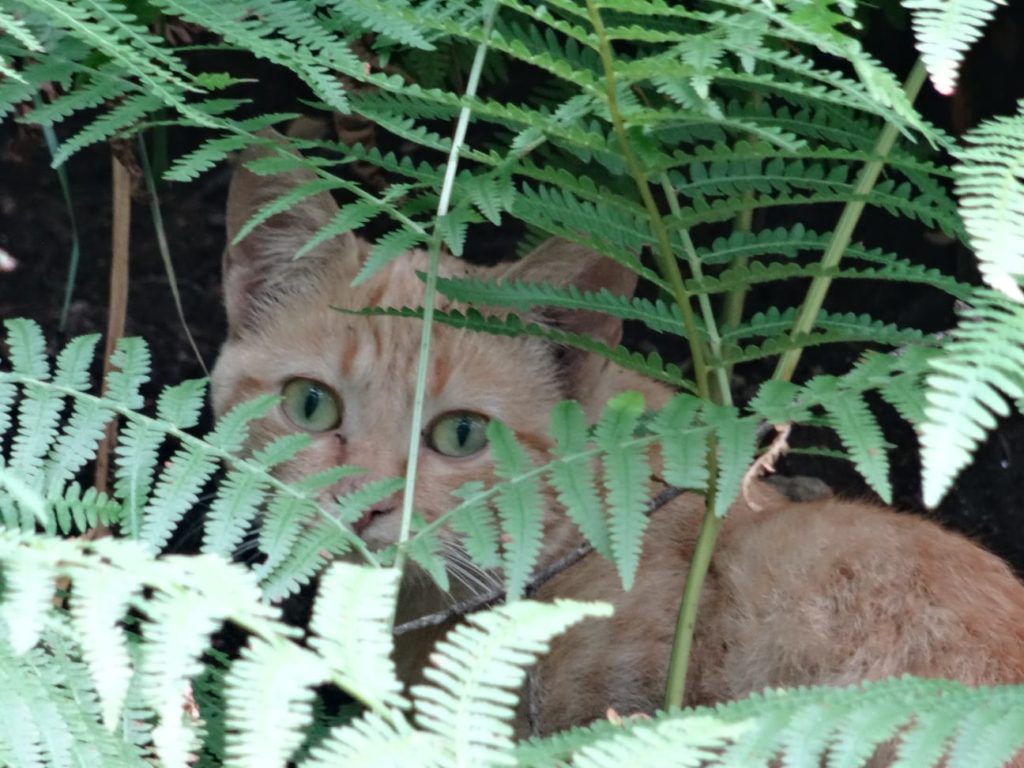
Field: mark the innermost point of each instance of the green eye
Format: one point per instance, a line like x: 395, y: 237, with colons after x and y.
x: 458, y: 433
x: 311, y: 405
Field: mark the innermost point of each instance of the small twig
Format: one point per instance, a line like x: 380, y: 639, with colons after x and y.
x: 118, y: 300
x: 476, y: 602
x: 765, y: 463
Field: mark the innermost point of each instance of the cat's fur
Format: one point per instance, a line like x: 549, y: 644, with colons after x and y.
x: 798, y: 593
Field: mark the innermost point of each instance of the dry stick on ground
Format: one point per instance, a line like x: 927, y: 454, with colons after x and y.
x: 476, y: 602
x: 118, y: 301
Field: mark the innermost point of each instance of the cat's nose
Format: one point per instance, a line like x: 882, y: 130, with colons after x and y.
x: 369, y: 516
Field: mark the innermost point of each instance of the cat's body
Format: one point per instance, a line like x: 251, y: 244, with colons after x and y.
x: 798, y: 593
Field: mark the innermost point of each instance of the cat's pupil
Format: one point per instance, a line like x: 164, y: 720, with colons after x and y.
x: 462, y: 430
x: 312, y: 402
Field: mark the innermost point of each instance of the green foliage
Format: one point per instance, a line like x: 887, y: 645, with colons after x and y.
x: 726, y: 108
x: 945, y: 31
x: 990, y: 183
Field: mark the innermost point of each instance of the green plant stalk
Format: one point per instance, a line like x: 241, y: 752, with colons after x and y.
x: 732, y: 312
x: 675, y: 688
x: 843, y: 233
x: 667, y: 264
x: 686, y: 621
x: 735, y: 300
x: 430, y: 290
x: 722, y: 392
x: 161, y: 241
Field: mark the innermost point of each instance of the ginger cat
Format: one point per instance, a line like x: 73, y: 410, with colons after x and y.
x: 827, y: 592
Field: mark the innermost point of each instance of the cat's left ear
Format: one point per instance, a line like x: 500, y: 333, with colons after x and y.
x: 560, y: 262
x: 261, y: 266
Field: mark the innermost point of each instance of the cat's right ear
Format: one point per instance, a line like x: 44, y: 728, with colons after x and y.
x: 262, y: 265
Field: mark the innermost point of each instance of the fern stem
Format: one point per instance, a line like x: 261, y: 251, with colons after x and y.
x: 723, y: 392
x: 667, y: 264
x: 430, y: 290
x: 682, y: 640
x: 843, y: 233
x: 191, y: 441
x: 732, y: 312
x: 675, y: 688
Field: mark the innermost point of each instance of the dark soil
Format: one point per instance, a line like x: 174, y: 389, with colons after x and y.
x: 35, y: 231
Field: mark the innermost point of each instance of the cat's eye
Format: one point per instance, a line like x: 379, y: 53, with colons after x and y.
x: 458, y: 433
x: 310, y: 405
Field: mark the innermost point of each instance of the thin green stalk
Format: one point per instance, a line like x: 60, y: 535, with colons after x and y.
x: 667, y: 264
x: 430, y: 291
x: 162, y: 246
x: 732, y: 312
x: 844, y: 230
x: 682, y: 640
x: 675, y: 689
x: 723, y: 391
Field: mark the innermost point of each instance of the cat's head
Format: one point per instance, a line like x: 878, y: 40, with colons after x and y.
x: 348, y: 380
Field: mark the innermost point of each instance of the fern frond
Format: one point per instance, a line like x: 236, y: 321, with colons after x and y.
x: 944, y: 32
x: 574, y: 481
x: 682, y: 742
x: 474, y: 718
x: 650, y: 365
x: 968, y: 389
x: 269, y: 696
x: 100, y: 601
x: 990, y: 184
x: 735, y: 437
x: 378, y: 740
x: 28, y: 587
x: 683, y: 443
x: 626, y: 479
x: 520, y: 507
x: 394, y: 20
x: 524, y: 296
x: 859, y: 432
x: 353, y: 637
x: 476, y: 524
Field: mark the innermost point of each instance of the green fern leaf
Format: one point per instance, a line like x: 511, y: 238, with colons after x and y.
x: 681, y: 742
x: 100, y: 602
x: 684, y: 446
x: 378, y: 741
x: 520, y: 508
x: 859, y: 433
x: 573, y: 476
x: 736, y: 445
x: 352, y: 624
x: 475, y: 522
x: 468, y: 699
x: 280, y: 530
x: 386, y: 249
x: 778, y: 402
x: 28, y: 595
x: 176, y: 492
x: 650, y: 365
x: 269, y: 697
x: 626, y: 479
x: 240, y: 495
x: 314, y: 547
x: 390, y: 19
x: 968, y: 388
x: 348, y: 218
x: 426, y: 550
x: 990, y: 184
x: 525, y: 296
x: 944, y: 32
